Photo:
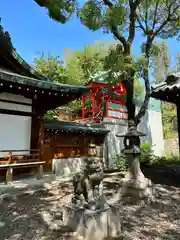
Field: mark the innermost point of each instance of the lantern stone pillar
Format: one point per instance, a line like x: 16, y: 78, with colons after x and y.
x: 134, y: 184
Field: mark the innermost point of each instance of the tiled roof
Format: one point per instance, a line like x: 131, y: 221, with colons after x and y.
x: 162, y: 90
x: 8, y: 76
x: 74, y: 127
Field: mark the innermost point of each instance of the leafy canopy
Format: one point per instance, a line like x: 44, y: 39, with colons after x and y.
x: 153, y: 17
x: 123, y: 18
x: 52, y: 68
x: 77, y: 67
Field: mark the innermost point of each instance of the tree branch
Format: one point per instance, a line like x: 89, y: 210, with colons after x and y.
x: 144, y: 106
x: 132, y: 17
x: 146, y: 15
x: 155, y: 13
x: 141, y: 26
x: 115, y: 31
x: 168, y: 19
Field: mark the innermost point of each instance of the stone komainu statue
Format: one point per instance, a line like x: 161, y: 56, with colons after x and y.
x: 86, y: 182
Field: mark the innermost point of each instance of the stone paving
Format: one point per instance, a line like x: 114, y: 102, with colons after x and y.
x: 34, y: 213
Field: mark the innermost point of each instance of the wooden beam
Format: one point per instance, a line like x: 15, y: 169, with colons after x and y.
x: 15, y: 102
x: 15, y: 112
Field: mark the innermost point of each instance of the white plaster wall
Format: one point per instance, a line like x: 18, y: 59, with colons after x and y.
x: 113, y: 144
x: 14, y: 97
x: 155, y: 120
x: 67, y: 166
x: 151, y: 125
x: 15, y: 131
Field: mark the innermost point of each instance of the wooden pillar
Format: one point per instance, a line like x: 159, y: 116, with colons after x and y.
x: 93, y: 105
x: 35, y: 126
x: 41, y: 144
x: 83, y: 107
x: 41, y: 136
x: 178, y: 122
x: 53, y: 144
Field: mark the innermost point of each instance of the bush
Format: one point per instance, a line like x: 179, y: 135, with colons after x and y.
x: 120, y: 163
x: 170, y: 159
x: 147, y: 156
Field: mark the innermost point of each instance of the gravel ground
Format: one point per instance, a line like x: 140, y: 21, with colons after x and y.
x: 33, y: 215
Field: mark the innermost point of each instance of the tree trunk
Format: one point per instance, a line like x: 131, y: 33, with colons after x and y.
x: 145, y: 75
x: 130, y: 100
x: 129, y: 82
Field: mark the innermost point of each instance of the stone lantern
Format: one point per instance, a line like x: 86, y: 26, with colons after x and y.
x: 134, y: 183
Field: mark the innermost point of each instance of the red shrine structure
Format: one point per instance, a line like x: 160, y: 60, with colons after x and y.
x: 104, y: 100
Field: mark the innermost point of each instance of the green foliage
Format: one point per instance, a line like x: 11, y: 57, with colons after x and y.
x: 90, y: 15
x: 120, y: 163
x: 79, y: 66
x: 169, y: 118
x: 158, y: 16
x: 147, y: 157
x: 58, y: 10
x: 160, y: 61
x: 50, y: 115
x: 155, y: 18
x: 178, y: 62
x: 170, y: 159
x: 82, y: 64
x: 52, y: 68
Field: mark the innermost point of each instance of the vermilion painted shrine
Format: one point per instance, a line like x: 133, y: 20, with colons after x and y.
x: 104, y: 102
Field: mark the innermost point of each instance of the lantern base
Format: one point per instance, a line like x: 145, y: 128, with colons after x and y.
x: 139, y: 188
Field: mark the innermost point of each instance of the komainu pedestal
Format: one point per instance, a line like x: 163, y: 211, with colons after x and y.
x: 89, y: 214
x: 98, y: 224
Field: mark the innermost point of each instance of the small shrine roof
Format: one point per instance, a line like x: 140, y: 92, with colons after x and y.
x: 74, y: 127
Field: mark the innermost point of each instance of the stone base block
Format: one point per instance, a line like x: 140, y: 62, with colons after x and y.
x: 39, y: 172
x: 9, y: 176
x: 93, y: 224
x: 139, y: 189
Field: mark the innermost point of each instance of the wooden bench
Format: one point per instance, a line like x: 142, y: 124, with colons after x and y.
x: 20, y: 161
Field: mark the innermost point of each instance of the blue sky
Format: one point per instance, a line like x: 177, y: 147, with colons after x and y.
x: 33, y: 32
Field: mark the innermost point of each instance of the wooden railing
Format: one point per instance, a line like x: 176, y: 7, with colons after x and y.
x: 31, y: 159
x: 14, y: 157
